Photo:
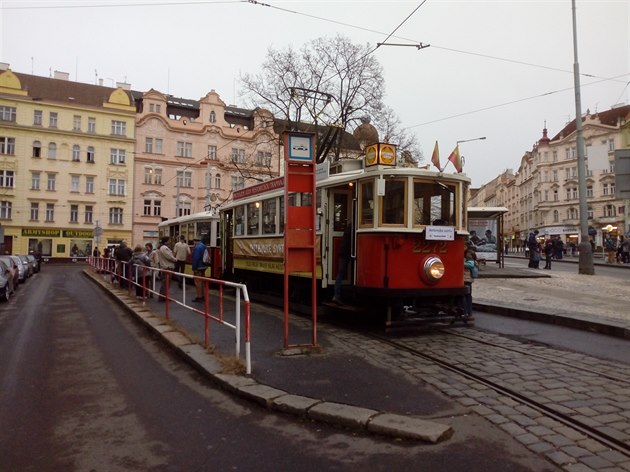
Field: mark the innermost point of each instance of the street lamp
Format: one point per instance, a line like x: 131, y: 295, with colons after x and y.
x: 472, y: 139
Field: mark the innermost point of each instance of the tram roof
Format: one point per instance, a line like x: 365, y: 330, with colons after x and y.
x: 486, y: 212
x: 187, y: 218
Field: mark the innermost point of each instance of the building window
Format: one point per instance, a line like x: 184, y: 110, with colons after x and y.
x: 157, y: 176
x: 119, y: 128
x: 34, y: 211
x: 37, y: 149
x: 74, y: 213
x: 52, y: 178
x: 611, y: 145
x: 117, y: 156
x: 50, y: 212
x: 7, y: 146
x: 590, y: 213
x: 117, y: 186
x: 7, y: 113
x: 90, y: 154
x: 238, y: 182
x: 555, y: 175
x: 212, y: 152
x: 263, y: 158
x: 148, y: 145
x: 572, y: 214
x: 89, y: 184
x: 605, y: 189
x: 91, y: 125
x: 89, y: 212
x: 183, y: 209
x: 74, y: 183
x: 7, y: 178
x: 556, y: 216
x: 238, y: 156
x: 76, y: 153
x: 554, y: 156
x: 589, y: 191
x: 148, y: 175
x: 555, y: 196
x: 35, y: 176
x: 152, y: 207
x: 612, y: 188
x: 52, y: 119
x: 213, y: 117
x: 5, y: 210
x: 611, y: 167
x: 574, y: 193
x: 159, y: 145
x: 217, y: 181
x: 76, y: 123
x: 184, y: 178
x: 52, y: 151
x: 115, y: 216
x: 184, y: 149
x: 37, y: 118
x: 610, y: 210
x: 155, y: 108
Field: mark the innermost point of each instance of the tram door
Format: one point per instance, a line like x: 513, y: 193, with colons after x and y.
x: 340, y: 217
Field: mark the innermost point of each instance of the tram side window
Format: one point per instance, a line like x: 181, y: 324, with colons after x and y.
x: 367, y: 203
x: 281, y: 218
x: 433, y: 204
x: 253, y: 222
x: 239, y: 221
x: 394, y: 202
x: 269, y: 216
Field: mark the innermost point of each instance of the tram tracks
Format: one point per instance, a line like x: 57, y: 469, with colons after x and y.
x: 611, y: 440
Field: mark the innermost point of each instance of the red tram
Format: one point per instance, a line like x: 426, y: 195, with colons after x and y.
x: 408, y: 229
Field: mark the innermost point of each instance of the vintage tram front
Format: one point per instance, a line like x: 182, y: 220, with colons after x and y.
x: 407, y: 235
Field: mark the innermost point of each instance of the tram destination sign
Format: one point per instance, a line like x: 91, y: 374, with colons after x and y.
x: 440, y: 233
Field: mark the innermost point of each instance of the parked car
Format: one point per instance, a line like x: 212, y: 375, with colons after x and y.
x: 30, y: 270
x: 22, y: 270
x: 33, y: 261
x: 13, y: 268
x: 7, y: 286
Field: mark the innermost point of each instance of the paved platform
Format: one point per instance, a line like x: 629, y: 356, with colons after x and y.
x: 349, y: 381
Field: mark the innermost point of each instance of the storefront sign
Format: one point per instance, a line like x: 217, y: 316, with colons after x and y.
x: 43, y: 233
x: 73, y: 233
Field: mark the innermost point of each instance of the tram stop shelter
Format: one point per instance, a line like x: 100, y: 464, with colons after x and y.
x: 485, y: 225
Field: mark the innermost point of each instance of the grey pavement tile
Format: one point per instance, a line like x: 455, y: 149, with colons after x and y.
x: 596, y: 462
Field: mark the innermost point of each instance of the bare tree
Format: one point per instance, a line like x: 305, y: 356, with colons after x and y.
x: 330, y: 82
x: 391, y: 131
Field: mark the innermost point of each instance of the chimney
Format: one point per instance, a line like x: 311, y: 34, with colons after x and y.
x: 123, y: 85
x: 100, y: 82
x: 4, y: 65
x: 61, y: 75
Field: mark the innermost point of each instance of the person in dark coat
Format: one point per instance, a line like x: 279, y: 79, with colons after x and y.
x: 534, y: 253
x: 123, y: 255
x: 548, y: 249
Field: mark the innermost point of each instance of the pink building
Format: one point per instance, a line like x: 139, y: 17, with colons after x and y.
x: 191, y: 155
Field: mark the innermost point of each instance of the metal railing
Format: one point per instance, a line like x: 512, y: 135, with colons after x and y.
x: 144, y: 280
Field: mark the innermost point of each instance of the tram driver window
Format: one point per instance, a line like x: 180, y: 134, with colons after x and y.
x: 253, y: 222
x: 239, y: 221
x: 433, y: 204
x: 394, y: 202
x: 367, y: 203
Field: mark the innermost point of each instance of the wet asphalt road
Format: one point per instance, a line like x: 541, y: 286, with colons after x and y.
x: 83, y: 388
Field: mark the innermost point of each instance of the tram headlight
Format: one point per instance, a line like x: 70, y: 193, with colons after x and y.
x: 433, y: 269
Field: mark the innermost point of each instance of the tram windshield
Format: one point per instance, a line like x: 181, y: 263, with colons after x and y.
x: 433, y: 203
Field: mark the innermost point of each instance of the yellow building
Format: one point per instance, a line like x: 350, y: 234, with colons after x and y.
x: 66, y: 165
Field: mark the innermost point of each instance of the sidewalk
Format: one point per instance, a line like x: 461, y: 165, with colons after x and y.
x: 594, y: 302
x: 351, y: 384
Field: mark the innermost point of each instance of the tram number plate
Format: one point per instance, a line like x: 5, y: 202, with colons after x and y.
x: 430, y: 247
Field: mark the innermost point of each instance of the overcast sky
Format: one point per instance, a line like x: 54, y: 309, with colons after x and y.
x: 498, y: 69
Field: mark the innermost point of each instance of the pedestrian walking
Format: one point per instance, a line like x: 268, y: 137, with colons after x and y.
x: 199, y: 266
x: 625, y: 250
x: 166, y: 260
x: 181, y: 251
x: 548, y: 250
x: 532, y: 246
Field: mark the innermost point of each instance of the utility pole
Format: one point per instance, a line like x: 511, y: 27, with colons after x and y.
x: 585, y: 265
